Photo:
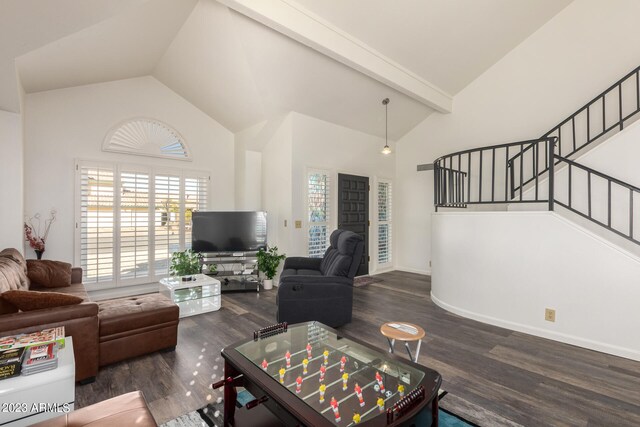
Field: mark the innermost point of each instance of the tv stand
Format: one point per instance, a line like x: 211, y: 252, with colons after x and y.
x: 236, y: 271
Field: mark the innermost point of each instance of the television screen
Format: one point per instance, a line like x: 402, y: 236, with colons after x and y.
x: 229, y: 231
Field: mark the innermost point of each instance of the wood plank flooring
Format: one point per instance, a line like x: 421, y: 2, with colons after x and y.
x: 494, y: 376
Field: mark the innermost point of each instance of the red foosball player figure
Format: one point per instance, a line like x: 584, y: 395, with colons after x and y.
x: 401, y: 390
x: 380, y: 383
x: 287, y: 357
x: 356, y: 418
x: 265, y: 364
x: 322, y: 389
x: 334, y: 406
x: 323, y: 371
x: 358, y: 391
x: 298, y: 384
x: 282, y: 372
x: 308, y: 351
x: 345, y: 378
x: 380, y: 403
x: 305, y: 363
x: 343, y: 361
x: 326, y: 356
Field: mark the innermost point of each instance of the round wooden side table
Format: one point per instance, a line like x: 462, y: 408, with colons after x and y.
x: 403, y: 331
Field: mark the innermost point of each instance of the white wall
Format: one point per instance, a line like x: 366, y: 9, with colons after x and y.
x: 68, y: 124
x: 248, y: 173
x: 539, y: 83
x: 322, y: 145
x: 11, y: 181
x: 276, y: 186
x: 505, y: 268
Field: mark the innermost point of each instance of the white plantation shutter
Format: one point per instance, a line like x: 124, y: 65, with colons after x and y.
x: 318, y: 196
x: 141, y: 216
x: 384, y: 222
x: 166, y: 220
x: 96, y: 222
x: 195, y: 199
x: 134, y: 224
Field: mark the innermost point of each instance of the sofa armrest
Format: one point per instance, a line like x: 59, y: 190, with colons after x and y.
x: 35, y: 318
x: 80, y: 322
x: 76, y: 275
x: 305, y: 263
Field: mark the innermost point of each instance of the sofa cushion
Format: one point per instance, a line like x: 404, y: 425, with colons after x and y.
x: 15, y: 255
x: 49, y: 274
x: 12, y: 275
x: 339, y: 266
x: 29, y: 300
x: 125, y: 410
x: 77, y: 289
x: 123, y: 315
x: 347, y: 243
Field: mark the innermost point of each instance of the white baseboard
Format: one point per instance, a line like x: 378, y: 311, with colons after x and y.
x: 556, y: 336
x: 414, y: 270
x: 125, y: 291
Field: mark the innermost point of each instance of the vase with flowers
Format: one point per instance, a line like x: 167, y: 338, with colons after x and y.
x: 36, y: 234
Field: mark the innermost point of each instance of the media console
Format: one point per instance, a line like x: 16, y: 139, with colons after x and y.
x: 236, y: 271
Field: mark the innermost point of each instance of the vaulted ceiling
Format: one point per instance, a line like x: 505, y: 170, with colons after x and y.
x: 243, y: 62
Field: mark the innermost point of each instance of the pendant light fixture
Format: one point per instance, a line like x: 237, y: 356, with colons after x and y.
x: 386, y: 150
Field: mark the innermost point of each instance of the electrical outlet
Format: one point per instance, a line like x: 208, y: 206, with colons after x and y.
x: 429, y: 263
x: 298, y: 224
x: 549, y: 315
x: 285, y: 222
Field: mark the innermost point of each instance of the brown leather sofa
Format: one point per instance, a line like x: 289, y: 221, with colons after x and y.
x: 104, y: 332
x: 80, y: 321
x: 125, y: 410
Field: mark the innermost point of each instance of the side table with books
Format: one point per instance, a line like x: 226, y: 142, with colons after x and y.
x: 44, y: 385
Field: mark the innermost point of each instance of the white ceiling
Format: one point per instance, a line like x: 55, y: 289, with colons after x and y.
x: 126, y: 45
x: 241, y: 72
x: 446, y: 42
x: 26, y: 25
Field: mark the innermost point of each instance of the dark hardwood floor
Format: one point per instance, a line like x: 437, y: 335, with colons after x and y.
x: 494, y: 376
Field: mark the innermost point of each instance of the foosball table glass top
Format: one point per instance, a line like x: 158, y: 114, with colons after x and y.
x: 344, y: 381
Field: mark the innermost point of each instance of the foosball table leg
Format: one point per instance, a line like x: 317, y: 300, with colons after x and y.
x: 434, y: 411
x: 232, y: 379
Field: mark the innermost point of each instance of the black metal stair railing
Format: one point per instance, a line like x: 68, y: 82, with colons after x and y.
x: 485, y: 175
x: 610, y: 110
x: 603, y: 193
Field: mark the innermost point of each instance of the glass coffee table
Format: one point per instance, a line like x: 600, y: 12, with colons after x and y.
x: 309, y: 374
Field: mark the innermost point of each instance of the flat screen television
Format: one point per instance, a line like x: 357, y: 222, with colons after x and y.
x: 228, y: 231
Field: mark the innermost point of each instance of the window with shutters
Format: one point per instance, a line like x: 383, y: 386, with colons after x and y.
x: 130, y: 219
x: 318, y: 197
x: 384, y: 222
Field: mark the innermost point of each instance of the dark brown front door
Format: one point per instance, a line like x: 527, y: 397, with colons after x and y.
x: 353, y: 211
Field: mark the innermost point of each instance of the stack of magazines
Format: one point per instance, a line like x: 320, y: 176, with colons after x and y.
x: 40, y: 358
x: 10, y: 362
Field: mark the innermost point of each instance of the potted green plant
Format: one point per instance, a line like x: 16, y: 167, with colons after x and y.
x: 185, y: 264
x: 268, y: 262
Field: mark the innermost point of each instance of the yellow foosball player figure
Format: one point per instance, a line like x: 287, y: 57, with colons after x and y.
x: 401, y: 390
x: 282, y: 372
x: 322, y: 390
x: 380, y: 403
x: 356, y: 418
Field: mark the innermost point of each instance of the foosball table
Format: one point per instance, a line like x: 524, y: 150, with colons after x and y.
x: 309, y: 375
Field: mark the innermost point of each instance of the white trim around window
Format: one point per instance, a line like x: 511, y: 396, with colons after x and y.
x: 130, y: 218
x: 383, y: 223
x: 319, y: 210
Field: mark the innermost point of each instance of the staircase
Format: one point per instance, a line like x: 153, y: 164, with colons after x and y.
x: 547, y: 171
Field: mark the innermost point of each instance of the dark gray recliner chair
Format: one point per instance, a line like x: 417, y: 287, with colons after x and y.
x: 321, y: 289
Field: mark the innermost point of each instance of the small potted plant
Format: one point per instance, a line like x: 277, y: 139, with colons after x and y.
x: 268, y: 262
x: 185, y: 264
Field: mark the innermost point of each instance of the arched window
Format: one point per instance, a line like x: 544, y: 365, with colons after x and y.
x: 146, y: 137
